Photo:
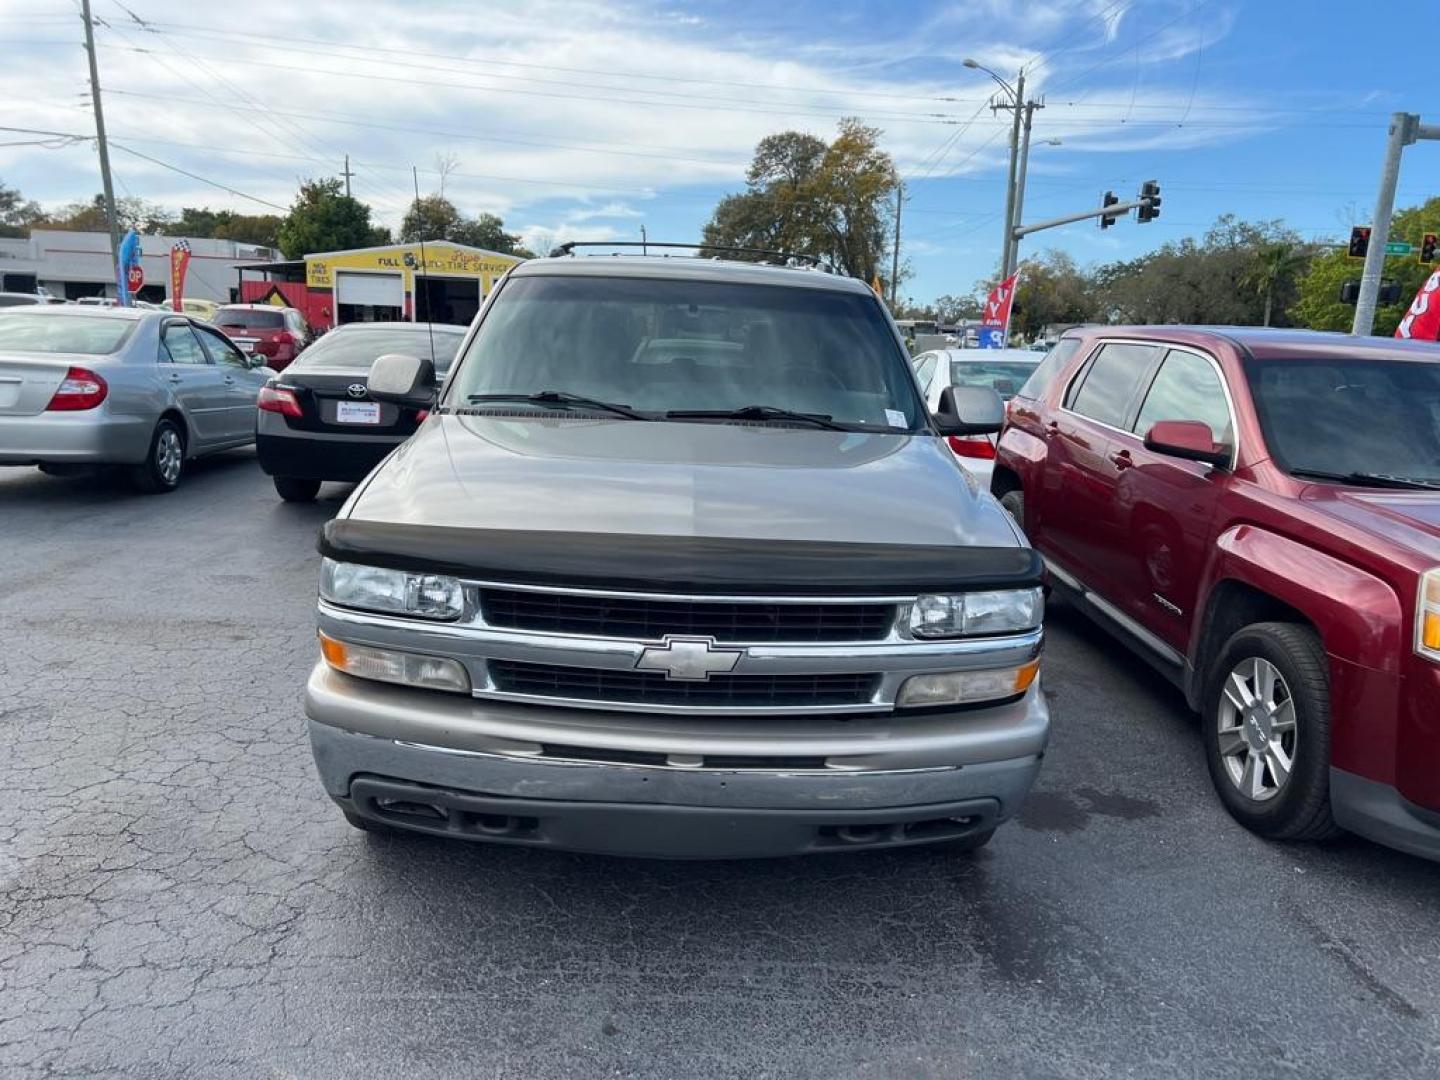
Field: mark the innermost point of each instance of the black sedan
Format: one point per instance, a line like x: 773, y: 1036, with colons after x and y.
x: 316, y: 421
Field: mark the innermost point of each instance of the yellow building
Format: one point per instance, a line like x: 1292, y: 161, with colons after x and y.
x: 393, y: 283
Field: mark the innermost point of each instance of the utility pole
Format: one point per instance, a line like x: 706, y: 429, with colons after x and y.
x: 105, y: 181
x: 1010, y: 180
x: 895, y: 248
x: 1012, y: 257
x: 1405, y: 128
x: 348, y: 174
x: 644, y: 240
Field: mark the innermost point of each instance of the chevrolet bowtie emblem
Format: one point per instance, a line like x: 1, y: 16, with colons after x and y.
x: 692, y: 659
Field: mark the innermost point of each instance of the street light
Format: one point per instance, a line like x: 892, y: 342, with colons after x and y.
x: 1017, y: 102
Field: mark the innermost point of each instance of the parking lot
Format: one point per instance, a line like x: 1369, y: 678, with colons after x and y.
x: 180, y: 899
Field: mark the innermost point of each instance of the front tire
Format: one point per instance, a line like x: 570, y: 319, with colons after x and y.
x: 1266, y: 726
x: 292, y: 490
x: 161, y: 470
x: 1013, y: 503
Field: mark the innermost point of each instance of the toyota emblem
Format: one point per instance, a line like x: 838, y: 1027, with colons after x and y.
x: 356, y: 389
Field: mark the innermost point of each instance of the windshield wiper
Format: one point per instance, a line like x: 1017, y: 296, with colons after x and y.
x: 1368, y: 479
x: 561, y: 397
x: 756, y: 412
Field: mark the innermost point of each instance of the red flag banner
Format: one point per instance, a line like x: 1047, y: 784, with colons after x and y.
x: 179, y: 263
x: 995, y: 319
x: 1422, y: 321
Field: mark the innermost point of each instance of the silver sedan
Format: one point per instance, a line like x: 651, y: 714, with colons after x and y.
x: 148, y: 390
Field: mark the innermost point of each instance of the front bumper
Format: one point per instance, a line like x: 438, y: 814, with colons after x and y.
x: 529, y: 775
x: 1379, y: 812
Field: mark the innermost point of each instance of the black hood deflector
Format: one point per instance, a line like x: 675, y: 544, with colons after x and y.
x: 680, y: 564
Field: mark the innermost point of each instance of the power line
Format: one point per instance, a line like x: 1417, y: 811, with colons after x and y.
x: 411, y: 80
x: 202, y: 179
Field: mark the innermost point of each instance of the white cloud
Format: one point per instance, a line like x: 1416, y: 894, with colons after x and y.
x: 561, y: 112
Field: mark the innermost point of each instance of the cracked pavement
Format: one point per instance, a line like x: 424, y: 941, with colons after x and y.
x: 178, y: 898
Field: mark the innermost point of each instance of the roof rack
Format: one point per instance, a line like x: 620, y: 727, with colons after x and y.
x: 568, y: 248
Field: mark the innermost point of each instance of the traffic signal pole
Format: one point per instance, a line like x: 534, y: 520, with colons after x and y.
x: 1405, y: 128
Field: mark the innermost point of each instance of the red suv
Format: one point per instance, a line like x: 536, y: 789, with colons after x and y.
x: 276, y: 333
x: 1258, y: 512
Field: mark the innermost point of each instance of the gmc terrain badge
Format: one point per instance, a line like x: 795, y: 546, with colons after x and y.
x: 693, y: 659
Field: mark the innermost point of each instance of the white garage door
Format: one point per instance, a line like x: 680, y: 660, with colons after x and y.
x: 369, y: 290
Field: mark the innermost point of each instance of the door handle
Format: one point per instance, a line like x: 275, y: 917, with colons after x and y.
x: 175, y: 376
x: 1052, y: 429
x: 229, y: 380
x: 1121, y: 459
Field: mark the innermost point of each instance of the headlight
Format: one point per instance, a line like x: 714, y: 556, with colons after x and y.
x: 1427, y: 616
x: 969, y: 614
x: 391, y: 665
x: 966, y: 687
x: 396, y: 592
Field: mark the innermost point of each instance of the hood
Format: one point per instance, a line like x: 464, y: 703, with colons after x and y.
x: 752, y: 482
x: 1406, y: 519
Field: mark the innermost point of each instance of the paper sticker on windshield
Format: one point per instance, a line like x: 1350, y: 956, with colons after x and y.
x: 895, y: 418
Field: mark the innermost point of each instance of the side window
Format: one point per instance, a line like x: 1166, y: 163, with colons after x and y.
x: 1041, y: 378
x: 925, y: 366
x: 220, y: 350
x: 1186, y: 388
x: 178, y: 346
x: 1107, y: 387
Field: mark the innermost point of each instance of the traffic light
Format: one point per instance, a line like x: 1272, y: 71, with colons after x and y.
x: 1427, y: 248
x: 1389, y: 292
x: 1106, y: 220
x: 1359, y: 241
x: 1149, y: 201
x: 1350, y: 291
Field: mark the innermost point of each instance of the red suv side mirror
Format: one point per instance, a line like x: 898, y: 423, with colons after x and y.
x: 1189, y: 439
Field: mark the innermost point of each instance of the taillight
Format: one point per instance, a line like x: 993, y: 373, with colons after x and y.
x: 420, y: 416
x: 80, y: 389
x: 980, y: 448
x: 279, y: 400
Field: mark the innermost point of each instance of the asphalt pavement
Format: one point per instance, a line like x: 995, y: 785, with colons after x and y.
x: 178, y: 899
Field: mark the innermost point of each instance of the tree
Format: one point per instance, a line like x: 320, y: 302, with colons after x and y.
x: 1052, y: 289
x: 952, y: 309
x: 262, y: 229
x: 1276, y: 266
x: 17, y: 214
x: 1318, y: 304
x: 434, y: 217
x: 324, y: 219
x: 803, y: 195
x: 130, y: 213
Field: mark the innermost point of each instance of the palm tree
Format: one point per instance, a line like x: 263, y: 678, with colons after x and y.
x: 1275, y: 265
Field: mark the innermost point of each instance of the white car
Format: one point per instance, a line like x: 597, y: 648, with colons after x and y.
x: 1001, y: 370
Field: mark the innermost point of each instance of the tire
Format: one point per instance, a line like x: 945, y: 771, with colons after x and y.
x: 1014, y: 504
x: 292, y: 490
x: 1247, y: 741
x: 164, y: 464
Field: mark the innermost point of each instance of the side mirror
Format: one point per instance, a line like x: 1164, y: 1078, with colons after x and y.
x: 1189, y: 439
x: 255, y: 360
x: 404, y: 380
x: 969, y: 410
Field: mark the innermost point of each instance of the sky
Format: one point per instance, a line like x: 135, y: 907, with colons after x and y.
x: 586, y: 119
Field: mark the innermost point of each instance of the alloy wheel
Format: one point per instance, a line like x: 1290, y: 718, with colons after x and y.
x: 1257, y: 729
x: 168, y: 455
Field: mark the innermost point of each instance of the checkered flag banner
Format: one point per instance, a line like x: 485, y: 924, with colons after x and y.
x: 179, y: 263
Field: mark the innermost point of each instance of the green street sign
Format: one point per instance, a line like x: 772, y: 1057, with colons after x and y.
x: 1398, y: 247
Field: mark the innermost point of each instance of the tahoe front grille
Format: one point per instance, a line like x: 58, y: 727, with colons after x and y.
x: 653, y: 688
x: 645, y: 619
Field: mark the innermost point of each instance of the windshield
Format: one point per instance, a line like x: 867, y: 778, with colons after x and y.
x: 660, y: 346
x: 1004, y: 377
x: 1350, y: 416
x: 356, y: 350
x: 24, y: 332
x: 250, y: 318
